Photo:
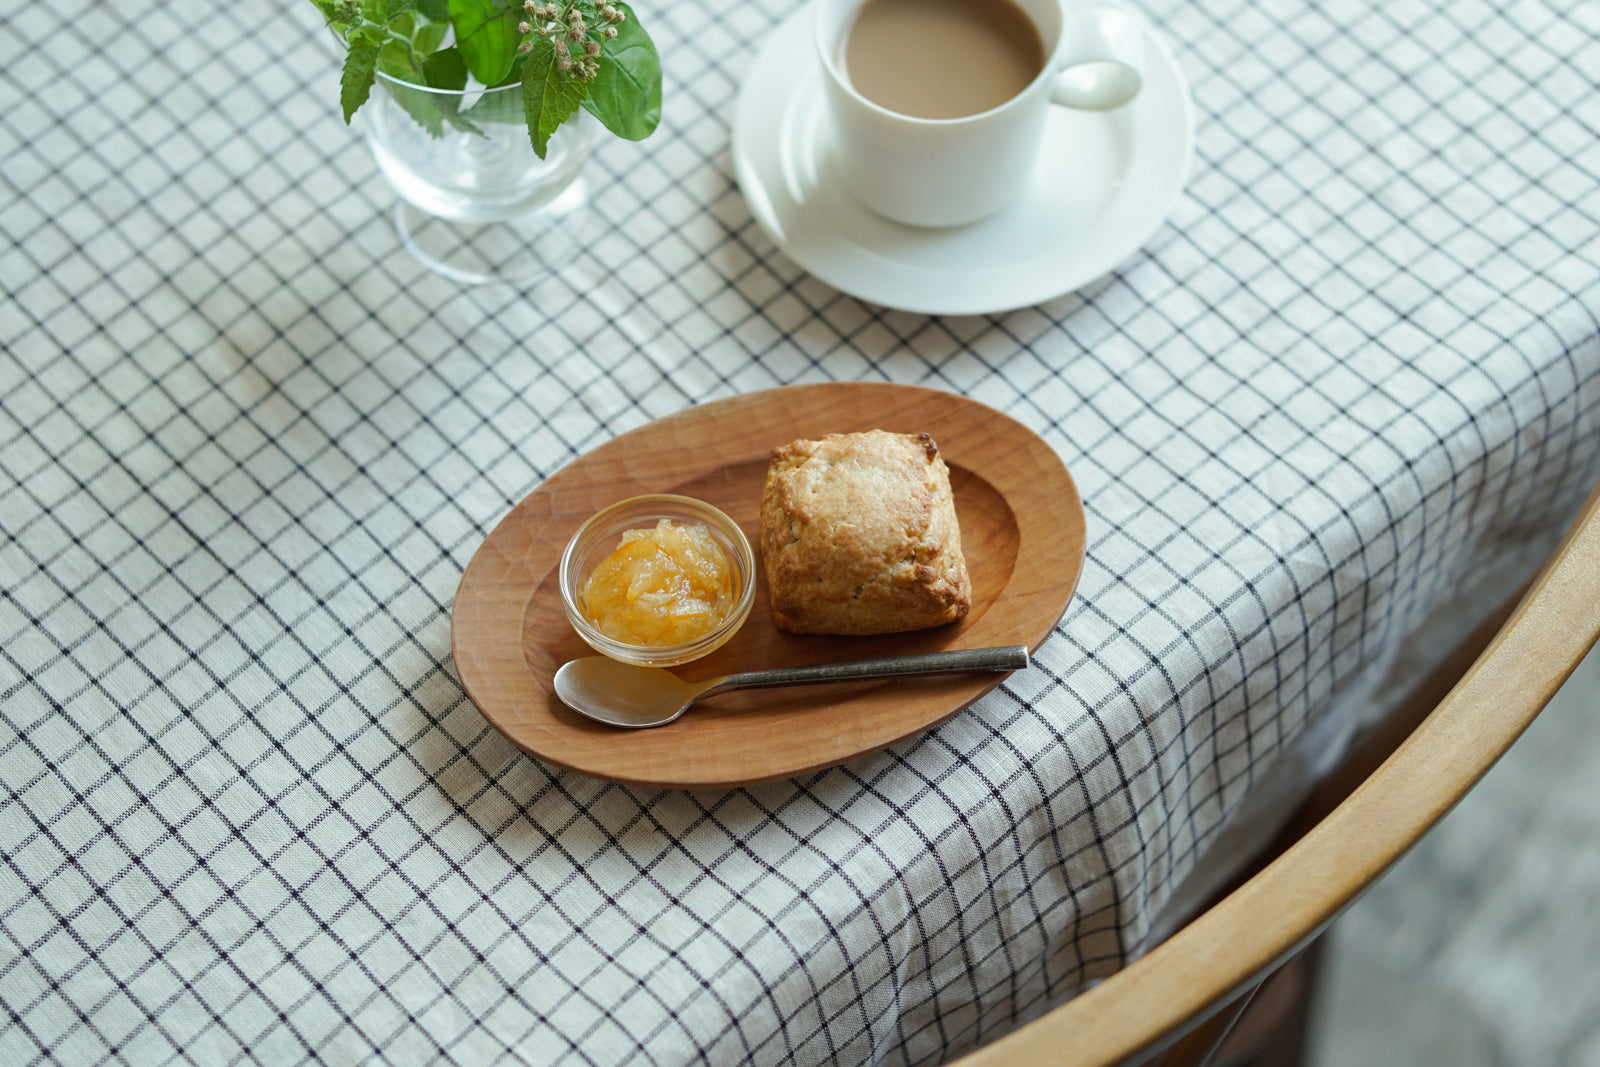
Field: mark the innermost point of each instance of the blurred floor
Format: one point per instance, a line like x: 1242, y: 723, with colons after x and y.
x: 1482, y: 946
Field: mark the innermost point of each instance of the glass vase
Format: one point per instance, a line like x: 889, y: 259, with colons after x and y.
x: 475, y: 203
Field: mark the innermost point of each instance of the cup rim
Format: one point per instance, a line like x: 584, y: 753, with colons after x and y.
x: 651, y: 505
x: 482, y: 90
x: 825, y: 53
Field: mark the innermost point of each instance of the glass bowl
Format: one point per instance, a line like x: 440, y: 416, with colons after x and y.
x: 598, y: 538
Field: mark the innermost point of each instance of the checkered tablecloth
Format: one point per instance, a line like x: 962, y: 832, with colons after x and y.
x: 247, y: 446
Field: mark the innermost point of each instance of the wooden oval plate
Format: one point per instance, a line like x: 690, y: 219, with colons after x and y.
x: 1022, y: 531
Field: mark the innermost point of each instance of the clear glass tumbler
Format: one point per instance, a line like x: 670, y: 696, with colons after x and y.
x: 476, y: 204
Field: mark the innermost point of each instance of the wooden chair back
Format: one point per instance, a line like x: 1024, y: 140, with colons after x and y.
x: 1181, y: 1002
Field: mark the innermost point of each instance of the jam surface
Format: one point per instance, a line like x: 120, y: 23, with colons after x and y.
x: 662, y: 586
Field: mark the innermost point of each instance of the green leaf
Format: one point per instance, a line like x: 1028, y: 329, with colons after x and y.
x: 549, y: 96
x: 625, y: 94
x: 486, y: 34
x: 338, y: 13
x: 381, y: 11
x: 429, y: 36
x: 498, y: 105
x: 514, y: 74
x: 370, y: 32
x: 384, y: 10
x: 355, y: 81
x: 445, y: 70
x: 422, y: 106
x: 434, y: 10
x: 396, y: 60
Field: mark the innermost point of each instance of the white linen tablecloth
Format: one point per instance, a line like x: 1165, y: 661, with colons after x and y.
x: 247, y: 446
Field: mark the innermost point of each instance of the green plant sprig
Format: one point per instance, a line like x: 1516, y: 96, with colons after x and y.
x: 567, y: 54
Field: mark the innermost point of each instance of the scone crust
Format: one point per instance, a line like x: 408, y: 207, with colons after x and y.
x: 859, y: 536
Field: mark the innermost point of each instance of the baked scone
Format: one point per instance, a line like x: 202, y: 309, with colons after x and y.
x: 859, y: 536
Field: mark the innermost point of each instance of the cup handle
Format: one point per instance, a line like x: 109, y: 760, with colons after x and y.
x: 1101, y: 65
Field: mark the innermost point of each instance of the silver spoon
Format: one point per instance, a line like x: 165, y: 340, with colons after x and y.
x: 623, y: 694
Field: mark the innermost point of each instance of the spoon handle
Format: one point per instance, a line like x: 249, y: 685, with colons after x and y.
x: 1009, y: 658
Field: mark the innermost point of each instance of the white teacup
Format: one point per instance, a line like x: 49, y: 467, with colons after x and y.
x: 947, y: 172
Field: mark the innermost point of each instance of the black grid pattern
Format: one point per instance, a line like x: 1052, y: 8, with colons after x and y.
x: 247, y: 446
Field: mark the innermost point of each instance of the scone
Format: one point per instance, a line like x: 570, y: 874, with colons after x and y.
x: 859, y: 536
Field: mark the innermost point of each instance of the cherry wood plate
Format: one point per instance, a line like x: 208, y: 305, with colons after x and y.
x: 1022, y: 531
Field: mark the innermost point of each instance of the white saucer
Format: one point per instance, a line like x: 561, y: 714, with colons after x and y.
x: 1103, y: 185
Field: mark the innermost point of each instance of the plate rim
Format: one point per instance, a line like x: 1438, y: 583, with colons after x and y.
x: 508, y: 643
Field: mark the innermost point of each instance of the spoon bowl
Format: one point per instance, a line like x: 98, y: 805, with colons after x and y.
x: 624, y: 694
x: 635, y: 697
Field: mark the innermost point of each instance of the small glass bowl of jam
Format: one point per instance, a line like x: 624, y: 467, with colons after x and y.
x: 658, y: 580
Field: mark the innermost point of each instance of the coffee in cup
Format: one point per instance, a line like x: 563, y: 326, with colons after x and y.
x: 920, y: 152
x: 940, y: 59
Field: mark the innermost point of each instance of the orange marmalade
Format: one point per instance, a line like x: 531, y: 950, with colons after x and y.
x: 661, y: 587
